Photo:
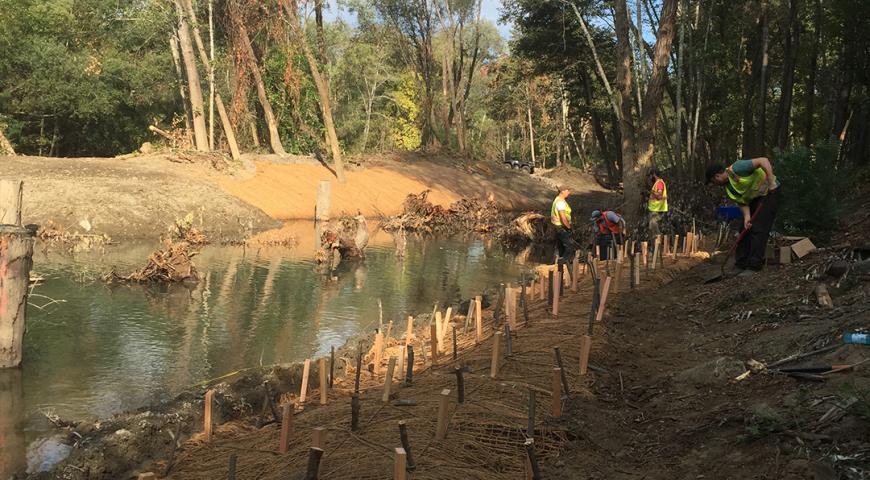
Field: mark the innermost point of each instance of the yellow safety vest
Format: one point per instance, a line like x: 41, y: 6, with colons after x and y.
x: 659, y: 205
x: 743, y: 190
x: 554, y: 214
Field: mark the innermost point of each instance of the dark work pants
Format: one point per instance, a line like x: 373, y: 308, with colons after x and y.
x: 566, y: 247
x: 605, y: 245
x: 752, y: 248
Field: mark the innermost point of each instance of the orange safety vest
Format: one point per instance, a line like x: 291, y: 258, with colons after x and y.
x: 605, y: 226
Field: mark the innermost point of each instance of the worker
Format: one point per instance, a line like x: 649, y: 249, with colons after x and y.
x: 560, y: 217
x: 607, y: 230
x: 752, y: 185
x: 658, y: 203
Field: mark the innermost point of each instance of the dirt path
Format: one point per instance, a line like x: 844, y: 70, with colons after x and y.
x: 669, y: 408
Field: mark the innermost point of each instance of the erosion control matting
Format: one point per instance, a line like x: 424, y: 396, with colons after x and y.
x: 485, y: 434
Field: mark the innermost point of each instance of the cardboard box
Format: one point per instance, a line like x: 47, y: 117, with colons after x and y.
x: 798, y: 247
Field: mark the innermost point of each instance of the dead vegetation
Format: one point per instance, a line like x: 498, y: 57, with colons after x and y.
x: 465, y: 215
x: 58, y: 236
x: 171, y: 264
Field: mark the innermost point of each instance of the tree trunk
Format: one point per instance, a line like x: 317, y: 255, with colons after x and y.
x: 5, y: 145
x: 531, y: 130
x: 792, y: 45
x: 207, y: 62
x: 322, y: 89
x: 251, y: 60
x: 678, y: 118
x: 811, y: 81
x: 188, y: 115
x: 638, y: 144
x: 200, y: 132
x: 321, y: 39
x: 762, y: 81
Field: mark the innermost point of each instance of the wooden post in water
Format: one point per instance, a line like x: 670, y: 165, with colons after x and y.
x: 321, y: 209
x: 16, y: 259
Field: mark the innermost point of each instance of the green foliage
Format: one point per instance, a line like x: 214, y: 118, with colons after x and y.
x: 405, y: 132
x: 84, y: 77
x: 810, y: 180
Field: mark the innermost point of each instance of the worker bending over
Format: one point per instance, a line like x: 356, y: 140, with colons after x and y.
x: 560, y: 217
x: 658, y: 203
x: 607, y: 229
x: 752, y: 185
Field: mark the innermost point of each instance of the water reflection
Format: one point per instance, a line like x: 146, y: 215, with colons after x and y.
x: 114, y: 348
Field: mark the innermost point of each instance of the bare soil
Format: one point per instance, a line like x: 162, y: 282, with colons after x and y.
x: 143, y: 196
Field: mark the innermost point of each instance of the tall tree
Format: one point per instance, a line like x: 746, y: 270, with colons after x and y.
x: 638, y: 143
x: 290, y: 8
x: 200, y: 132
x: 790, y: 52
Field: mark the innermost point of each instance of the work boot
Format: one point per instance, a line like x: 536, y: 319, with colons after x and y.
x: 748, y: 272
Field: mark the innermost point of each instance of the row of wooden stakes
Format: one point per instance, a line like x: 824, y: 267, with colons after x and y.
x: 548, y: 288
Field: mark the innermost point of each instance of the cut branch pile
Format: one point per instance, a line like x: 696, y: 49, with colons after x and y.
x: 172, y: 264
x: 420, y: 215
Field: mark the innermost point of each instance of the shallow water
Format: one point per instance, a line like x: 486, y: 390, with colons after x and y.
x: 93, y: 350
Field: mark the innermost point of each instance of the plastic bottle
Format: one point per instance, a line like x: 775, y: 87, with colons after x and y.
x: 859, y: 338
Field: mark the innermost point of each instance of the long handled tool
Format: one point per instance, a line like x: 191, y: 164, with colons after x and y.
x: 731, y: 250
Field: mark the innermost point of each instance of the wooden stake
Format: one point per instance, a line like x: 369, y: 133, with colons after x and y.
x: 543, y: 291
x: 468, y: 314
x: 556, y: 407
x: 530, y: 430
x: 318, y: 438
x: 354, y: 412
x: 460, y: 384
x: 478, y: 319
x: 455, y: 348
x: 635, y: 269
x: 400, y: 467
x: 676, y: 246
x: 231, y: 468
x: 557, y: 284
x: 400, y: 367
x: 358, y: 369
x: 208, y: 421
x: 644, y: 248
x: 433, y: 340
x: 286, y: 427
x: 406, y: 444
x: 443, y: 403
x: 388, y: 381
x: 409, y: 333
x: 331, y: 365
x: 409, y: 375
x: 314, y: 456
x: 666, y: 248
x: 389, y: 331
x: 446, y: 324
x: 324, y: 383
x: 551, y: 278
x: 533, y: 461
x: 655, y: 256
x: 524, y: 301
x: 439, y: 331
x: 563, y: 373
x: 379, y: 351
x: 585, y: 348
x: 303, y: 392
x: 575, y: 272
x: 496, y: 345
x: 603, y: 302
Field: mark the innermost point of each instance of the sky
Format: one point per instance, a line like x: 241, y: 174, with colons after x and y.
x: 489, y: 10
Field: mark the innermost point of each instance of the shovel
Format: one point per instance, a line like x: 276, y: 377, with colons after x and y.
x: 731, y: 250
